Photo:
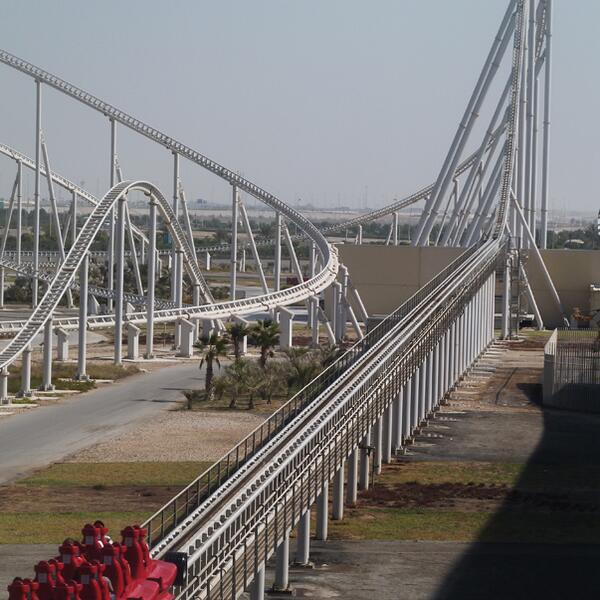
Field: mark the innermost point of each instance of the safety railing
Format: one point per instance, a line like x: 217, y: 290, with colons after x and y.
x: 183, y: 504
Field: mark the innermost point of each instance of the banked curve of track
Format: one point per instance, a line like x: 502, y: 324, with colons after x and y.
x: 66, y: 272
x: 93, y: 224
x: 170, y: 143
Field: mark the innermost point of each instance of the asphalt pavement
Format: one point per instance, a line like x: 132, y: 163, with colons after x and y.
x: 47, y: 434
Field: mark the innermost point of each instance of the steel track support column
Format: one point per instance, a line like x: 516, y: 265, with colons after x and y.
x: 83, y: 312
x: 257, y: 589
x: 397, y: 421
x: 386, y: 442
x: 178, y: 294
x: 19, y: 209
x: 322, y: 513
x: 277, y: 263
x: 234, y: 242
x: 546, y: 135
x: 423, y: 391
x: 506, y: 294
x: 73, y: 217
x: 363, y: 483
x: 338, y: 494
x: 430, y: 384
x: 36, y: 194
x: 433, y: 395
x: 1, y: 287
x: 4, y: 399
x: 25, y: 390
x: 151, y: 281
x: 282, y: 566
x: 406, y: 411
x: 120, y: 252
x: 47, y: 357
x: 359, y: 235
x: 414, y: 410
x: 303, y: 542
x: 378, y: 444
x: 111, y: 216
x: 395, y: 228
x: 352, y: 488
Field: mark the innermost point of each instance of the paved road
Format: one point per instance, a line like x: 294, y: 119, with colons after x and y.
x: 50, y: 433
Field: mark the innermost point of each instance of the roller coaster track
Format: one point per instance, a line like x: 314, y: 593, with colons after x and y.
x: 58, y: 179
x: 267, y: 490
x: 27, y: 271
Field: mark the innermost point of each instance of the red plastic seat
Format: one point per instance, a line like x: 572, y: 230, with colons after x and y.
x: 92, y: 542
x: 134, y: 553
x: 162, y: 572
x: 22, y: 589
x: 113, y: 568
x: 68, y: 591
x: 92, y: 588
x: 45, y: 577
x: 70, y: 555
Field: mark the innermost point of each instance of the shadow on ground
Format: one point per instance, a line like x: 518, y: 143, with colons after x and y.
x: 551, y: 548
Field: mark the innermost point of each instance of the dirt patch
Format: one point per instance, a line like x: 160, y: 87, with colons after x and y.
x: 471, y: 497
x: 23, y: 499
x: 175, y: 436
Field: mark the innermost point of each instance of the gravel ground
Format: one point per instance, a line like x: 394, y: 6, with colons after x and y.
x: 175, y: 436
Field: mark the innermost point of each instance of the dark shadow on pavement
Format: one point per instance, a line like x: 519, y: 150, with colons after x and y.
x: 544, y: 540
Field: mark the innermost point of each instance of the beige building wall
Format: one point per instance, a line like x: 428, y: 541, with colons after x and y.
x: 386, y: 276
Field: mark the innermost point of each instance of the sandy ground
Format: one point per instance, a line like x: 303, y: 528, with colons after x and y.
x: 175, y: 436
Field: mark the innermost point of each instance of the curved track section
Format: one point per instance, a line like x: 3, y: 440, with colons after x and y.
x: 168, y: 142
x: 65, y: 183
x: 93, y: 224
x: 66, y: 272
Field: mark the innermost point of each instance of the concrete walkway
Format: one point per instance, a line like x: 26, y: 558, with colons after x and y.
x: 50, y: 433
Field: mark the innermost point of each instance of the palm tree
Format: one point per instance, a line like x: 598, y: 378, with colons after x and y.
x: 211, y: 348
x: 265, y: 335
x: 236, y: 377
x: 237, y: 332
x: 304, y: 366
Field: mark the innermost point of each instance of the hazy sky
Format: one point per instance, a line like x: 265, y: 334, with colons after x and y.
x: 328, y: 101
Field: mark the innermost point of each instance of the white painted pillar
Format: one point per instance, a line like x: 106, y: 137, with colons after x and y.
x: 363, y: 483
x: 322, y: 513
x: 286, y: 320
x: 119, y: 301
x: 4, y: 399
x: 338, y: 494
x: 397, y: 421
x: 47, y: 358
x: 386, y: 449
x: 406, y: 411
x: 188, y: 336
x: 303, y: 542
x: 282, y: 566
x: 133, y: 341
x: 26, y: 373
x: 62, y: 344
x: 257, y: 589
x: 352, y: 488
x: 151, y: 281
x: 83, y: 310
x: 378, y: 444
x: 233, y: 265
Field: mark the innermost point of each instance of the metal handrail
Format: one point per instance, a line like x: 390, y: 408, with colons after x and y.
x: 189, y: 498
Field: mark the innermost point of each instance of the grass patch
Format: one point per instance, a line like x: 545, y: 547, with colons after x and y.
x: 117, y: 474
x: 388, y: 524
x: 530, y: 477
x: 63, y: 375
x: 467, y: 473
x: 53, y: 528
